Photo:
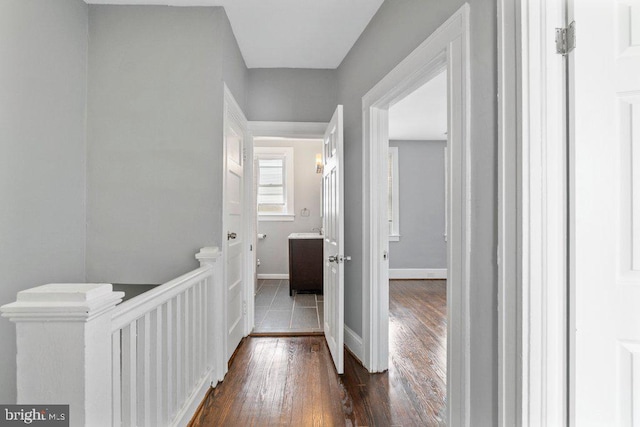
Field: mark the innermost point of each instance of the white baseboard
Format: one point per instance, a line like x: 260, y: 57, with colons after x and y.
x: 354, y: 343
x: 273, y: 276
x: 417, y: 273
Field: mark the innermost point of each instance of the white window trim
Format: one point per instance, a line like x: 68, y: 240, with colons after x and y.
x: 287, y: 213
x: 394, y: 234
x: 276, y: 217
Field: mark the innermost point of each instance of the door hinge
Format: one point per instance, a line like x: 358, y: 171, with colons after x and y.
x: 250, y: 248
x: 244, y: 307
x: 566, y: 39
x: 244, y: 154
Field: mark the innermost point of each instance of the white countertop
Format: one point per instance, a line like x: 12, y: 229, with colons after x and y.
x: 305, y: 236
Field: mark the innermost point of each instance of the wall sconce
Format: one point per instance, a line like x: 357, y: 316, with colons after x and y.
x: 318, y: 163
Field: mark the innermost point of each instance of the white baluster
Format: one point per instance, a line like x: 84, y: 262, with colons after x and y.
x: 186, y: 346
x: 116, y: 373
x: 202, y: 364
x: 144, y: 357
x: 168, y: 360
x: 156, y: 382
x: 192, y: 338
x: 179, y: 348
x: 129, y: 368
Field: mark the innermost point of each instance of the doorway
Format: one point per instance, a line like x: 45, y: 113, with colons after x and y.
x: 418, y: 131
x: 288, y: 188
x: 446, y: 49
x: 417, y: 183
x: 286, y: 156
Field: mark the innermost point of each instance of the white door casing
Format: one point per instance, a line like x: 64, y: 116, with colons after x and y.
x: 333, y: 227
x: 532, y: 215
x: 446, y: 48
x: 234, y: 226
x: 604, y: 78
x: 250, y: 210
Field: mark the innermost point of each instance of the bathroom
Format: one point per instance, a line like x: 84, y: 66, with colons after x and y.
x: 288, y: 190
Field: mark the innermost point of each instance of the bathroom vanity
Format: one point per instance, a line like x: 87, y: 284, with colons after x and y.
x: 305, y: 262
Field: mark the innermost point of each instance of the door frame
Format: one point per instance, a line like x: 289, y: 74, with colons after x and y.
x: 447, y: 48
x: 270, y: 129
x: 233, y: 112
x: 533, y: 338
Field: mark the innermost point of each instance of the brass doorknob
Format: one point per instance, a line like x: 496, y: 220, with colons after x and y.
x: 231, y: 236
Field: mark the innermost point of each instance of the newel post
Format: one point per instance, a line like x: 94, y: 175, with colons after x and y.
x: 216, y: 344
x: 63, y: 336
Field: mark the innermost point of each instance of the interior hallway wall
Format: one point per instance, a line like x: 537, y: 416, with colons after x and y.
x: 394, y: 32
x: 155, y: 126
x: 43, y: 62
x: 273, y: 251
x: 291, y: 94
x: 421, y: 204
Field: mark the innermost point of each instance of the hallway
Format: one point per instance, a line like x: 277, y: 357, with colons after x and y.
x: 291, y: 381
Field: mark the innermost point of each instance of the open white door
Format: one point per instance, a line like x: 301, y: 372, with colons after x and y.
x: 604, y: 78
x: 333, y: 224
x: 234, y: 227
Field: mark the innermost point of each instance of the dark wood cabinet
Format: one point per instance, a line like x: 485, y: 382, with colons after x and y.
x: 305, y: 265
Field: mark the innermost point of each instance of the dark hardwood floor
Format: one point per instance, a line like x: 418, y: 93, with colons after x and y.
x: 290, y: 381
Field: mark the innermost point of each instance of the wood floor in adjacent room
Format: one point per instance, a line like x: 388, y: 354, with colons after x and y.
x: 291, y: 381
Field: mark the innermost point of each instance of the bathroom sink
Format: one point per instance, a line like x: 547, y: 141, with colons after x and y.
x: 305, y: 236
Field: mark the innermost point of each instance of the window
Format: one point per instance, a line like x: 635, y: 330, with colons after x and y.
x: 393, y: 210
x: 274, y: 182
x: 271, y: 189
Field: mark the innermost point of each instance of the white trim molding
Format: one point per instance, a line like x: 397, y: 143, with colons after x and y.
x: 262, y: 217
x: 509, y: 367
x: 532, y: 328
x: 544, y: 228
x: 295, y: 130
x: 446, y: 49
x: 353, y: 342
x: 417, y: 273
x: 274, y: 276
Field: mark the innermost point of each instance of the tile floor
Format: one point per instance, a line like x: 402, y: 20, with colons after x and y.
x: 277, y: 312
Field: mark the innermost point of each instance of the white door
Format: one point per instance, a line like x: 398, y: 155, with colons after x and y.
x: 333, y: 224
x: 604, y: 79
x: 234, y: 233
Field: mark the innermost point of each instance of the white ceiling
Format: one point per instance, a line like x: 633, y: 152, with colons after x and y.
x: 288, y: 33
x: 421, y: 115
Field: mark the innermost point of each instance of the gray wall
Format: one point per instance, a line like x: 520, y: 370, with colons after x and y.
x: 155, y: 137
x: 43, y: 57
x: 273, y: 251
x: 421, y: 203
x: 292, y: 95
x: 397, y: 28
x: 234, y: 71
